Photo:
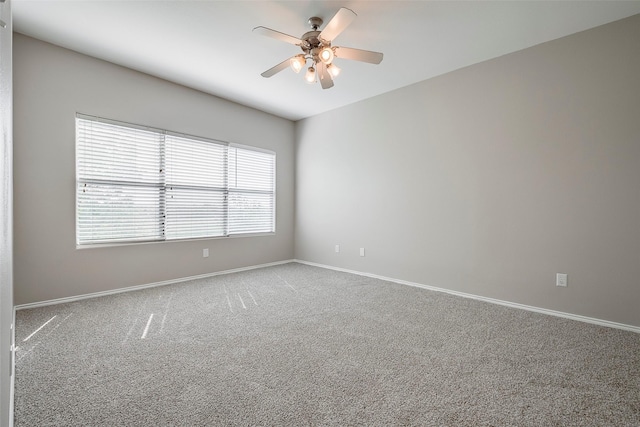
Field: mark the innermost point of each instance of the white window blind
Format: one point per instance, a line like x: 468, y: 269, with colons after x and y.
x: 142, y: 184
x: 196, y: 188
x: 119, y: 190
x: 251, y: 201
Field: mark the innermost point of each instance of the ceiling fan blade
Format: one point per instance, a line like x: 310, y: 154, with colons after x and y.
x: 275, y: 70
x: 359, y: 55
x: 268, y: 32
x: 338, y: 23
x: 325, y: 78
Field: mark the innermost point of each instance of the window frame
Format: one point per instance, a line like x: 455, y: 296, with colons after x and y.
x: 163, y: 187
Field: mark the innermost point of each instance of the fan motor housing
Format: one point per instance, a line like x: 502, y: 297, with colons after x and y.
x: 312, y: 39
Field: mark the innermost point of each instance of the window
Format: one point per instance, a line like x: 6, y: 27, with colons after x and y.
x: 139, y: 184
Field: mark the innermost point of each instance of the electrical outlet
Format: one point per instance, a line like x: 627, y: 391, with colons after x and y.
x: 361, y: 251
x: 562, y: 279
x: 205, y: 253
x: 337, y: 248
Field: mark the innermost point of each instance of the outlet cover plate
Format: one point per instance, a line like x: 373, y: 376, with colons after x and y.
x: 562, y: 280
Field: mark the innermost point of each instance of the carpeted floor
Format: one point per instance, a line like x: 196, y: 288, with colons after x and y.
x: 295, y: 345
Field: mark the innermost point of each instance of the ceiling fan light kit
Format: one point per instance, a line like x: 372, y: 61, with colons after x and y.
x: 326, y: 55
x: 298, y: 62
x: 334, y: 70
x: 316, y: 47
x: 310, y: 76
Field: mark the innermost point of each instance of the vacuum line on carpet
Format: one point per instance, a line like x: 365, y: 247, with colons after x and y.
x: 229, y: 302
x: 242, y: 302
x: 251, y: 295
x: 146, y: 328
x: 38, y: 330
x: 164, y: 318
x: 45, y: 336
x: 166, y: 311
x: 126, y: 337
x: 287, y: 283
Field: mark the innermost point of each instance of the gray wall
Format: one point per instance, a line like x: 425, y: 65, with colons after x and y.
x: 6, y: 210
x: 51, y: 84
x: 490, y: 179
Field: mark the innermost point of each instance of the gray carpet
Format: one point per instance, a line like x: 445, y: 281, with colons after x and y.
x: 299, y: 345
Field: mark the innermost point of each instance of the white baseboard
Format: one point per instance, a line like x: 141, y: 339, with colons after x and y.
x: 139, y: 287
x: 577, y: 317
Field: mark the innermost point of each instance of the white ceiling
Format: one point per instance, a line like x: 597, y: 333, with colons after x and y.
x: 209, y: 45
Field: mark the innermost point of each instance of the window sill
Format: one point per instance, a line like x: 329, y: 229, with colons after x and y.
x: 152, y: 242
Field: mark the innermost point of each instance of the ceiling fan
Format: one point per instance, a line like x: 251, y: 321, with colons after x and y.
x: 316, y: 47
